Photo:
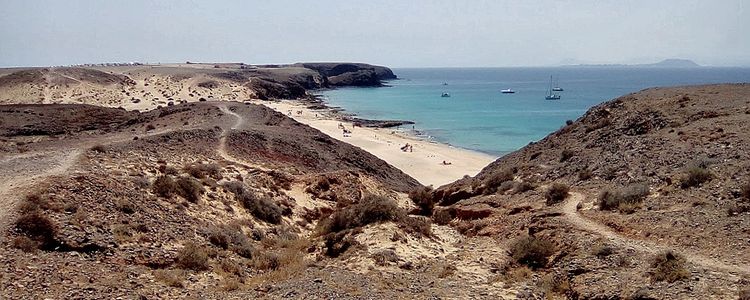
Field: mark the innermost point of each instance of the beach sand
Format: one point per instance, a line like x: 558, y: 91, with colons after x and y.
x: 424, y: 162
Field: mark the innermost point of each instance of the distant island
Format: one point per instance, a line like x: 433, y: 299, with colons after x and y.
x: 667, y: 63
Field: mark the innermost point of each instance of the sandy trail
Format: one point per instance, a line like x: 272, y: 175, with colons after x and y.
x: 222, y: 149
x: 570, y: 211
x: 25, y: 171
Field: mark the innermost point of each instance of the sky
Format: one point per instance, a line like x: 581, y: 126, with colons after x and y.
x: 399, y: 33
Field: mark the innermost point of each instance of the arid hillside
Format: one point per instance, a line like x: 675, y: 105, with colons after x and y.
x: 149, y: 86
x: 644, y: 197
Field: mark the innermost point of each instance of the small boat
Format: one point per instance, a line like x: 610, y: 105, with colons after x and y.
x: 445, y: 95
x: 508, y: 91
x: 550, y: 93
x: 557, y: 87
x: 445, y: 83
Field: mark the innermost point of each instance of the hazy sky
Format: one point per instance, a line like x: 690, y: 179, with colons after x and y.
x: 400, y: 33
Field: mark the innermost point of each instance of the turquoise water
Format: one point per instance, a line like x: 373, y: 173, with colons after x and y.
x: 478, y: 117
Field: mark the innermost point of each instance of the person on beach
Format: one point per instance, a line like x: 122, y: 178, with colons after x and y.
x: 445, y: 163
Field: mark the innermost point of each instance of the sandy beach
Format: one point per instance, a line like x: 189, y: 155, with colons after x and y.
x: 424, y: 162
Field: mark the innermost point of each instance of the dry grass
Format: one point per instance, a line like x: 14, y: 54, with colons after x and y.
x: 556, y: 193
x: 531, y: 251
x: 668, y: 266
x: 172, y: 278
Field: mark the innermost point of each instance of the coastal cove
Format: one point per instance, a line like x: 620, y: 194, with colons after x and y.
x: 477, y: 116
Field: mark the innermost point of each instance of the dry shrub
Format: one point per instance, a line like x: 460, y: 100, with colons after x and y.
x: 37, y: 227
x: 566, y: 154
x: 745, y: 191
x: 744, y: 293
x: 445, y: 270
x: 370, y: 209
x: 200, y: 171
x: 230, y: 267
x: 25, y: 244
x: 385, y: 256
x: 262, y: 207
x: 265, y: 260
x: 416, y: 225
x: 171, y: 278
x: 192, y: 257
x: 522, y: 187
x: 585, y: 174
x: 496, y: 179
x: 555, y: 284
x: 626, y: 199
x: 99, y: 149
x: 218, y: 238
x: 531, y: 251
x: 32, y: 203
x: 443, y: 216
x: 125, y: 206
x: 603, y: 250
x: 190, y: 189
x: 668, y: 266
x: 556, y: 193
x: 515, y: 275
x: 695, y: 176
x: 422, y: 197
x: 164, y: 186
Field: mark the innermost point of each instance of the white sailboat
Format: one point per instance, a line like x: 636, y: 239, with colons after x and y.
x: 551, y: 95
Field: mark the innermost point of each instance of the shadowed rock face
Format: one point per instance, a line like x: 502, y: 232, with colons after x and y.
x: 351, y: 74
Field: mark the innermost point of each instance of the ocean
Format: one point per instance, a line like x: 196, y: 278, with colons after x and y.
x: 479, y: 117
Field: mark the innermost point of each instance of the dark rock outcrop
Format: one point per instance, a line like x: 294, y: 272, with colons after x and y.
x: 351, y: 74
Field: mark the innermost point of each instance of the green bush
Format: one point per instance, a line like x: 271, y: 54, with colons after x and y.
x: 531, y: 251
x: 556, y: 193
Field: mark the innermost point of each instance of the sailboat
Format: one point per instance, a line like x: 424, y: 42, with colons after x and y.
x: 550, y: 94
x: 557, y: 87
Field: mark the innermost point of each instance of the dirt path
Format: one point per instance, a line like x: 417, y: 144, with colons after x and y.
x: 570, y: 211
x: 222, y: 150
x: 25, y: 171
